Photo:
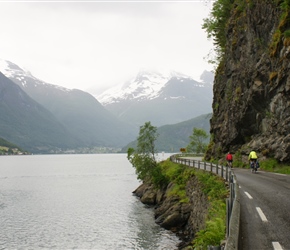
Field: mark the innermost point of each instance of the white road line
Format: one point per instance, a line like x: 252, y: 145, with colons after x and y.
x: 262, y: 215
x: 281, y: 174
x: 249, y: 196
x: 276, y: 245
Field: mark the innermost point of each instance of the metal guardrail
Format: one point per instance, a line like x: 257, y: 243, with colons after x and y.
x: 233, y: 205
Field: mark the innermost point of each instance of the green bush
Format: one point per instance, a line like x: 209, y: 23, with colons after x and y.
x: 158, y: 178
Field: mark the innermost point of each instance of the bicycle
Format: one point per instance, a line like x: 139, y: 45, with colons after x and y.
x: 230, y: 164
x: 254, y: 166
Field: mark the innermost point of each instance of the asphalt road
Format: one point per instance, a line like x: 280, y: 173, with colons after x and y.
x: 265, y: 210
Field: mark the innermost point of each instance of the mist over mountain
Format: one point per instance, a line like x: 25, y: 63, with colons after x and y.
x: 28, y: 124
x: 166, y: 98
x: 46, y: 118
x: 88, y: 122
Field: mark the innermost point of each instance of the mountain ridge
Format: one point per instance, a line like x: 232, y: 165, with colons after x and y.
x: 89, y: 123
x: 153, y: 96
x: 23, y: 121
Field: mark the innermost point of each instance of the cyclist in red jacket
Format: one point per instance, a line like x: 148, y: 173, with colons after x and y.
x: 229, y: 159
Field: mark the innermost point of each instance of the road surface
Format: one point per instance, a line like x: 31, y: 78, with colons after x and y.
x: 265, y: 210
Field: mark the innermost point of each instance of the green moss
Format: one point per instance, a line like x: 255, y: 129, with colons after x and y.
x: 229, y: 90
x: 281, y: 32
x: 216, y: 106
x: 287, y: 33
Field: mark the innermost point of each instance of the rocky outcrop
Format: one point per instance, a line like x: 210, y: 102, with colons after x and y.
x: 183, y: 218
x: 251, y: 105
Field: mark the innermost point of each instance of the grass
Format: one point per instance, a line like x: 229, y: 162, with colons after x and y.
x: 177, y: 174
x: 272, y: 165
x: 213, y: 186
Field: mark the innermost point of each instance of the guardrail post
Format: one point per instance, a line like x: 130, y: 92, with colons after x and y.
x: 198, y: 164
x: 233, y: 191
x: 211, y: 167
x: 232, y: 198
x: 222, y: 171
x: 204, y: 165
x: 216, y: 169
x: 228, y: 215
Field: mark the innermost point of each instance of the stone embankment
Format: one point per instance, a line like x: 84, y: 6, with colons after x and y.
x: 184, y: 219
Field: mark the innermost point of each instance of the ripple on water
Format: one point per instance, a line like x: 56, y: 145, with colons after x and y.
x: 46, y: 204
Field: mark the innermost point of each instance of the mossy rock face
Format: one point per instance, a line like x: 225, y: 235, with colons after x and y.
x: 251, y: 86
x: 149, y: 197
x: 147, y: 194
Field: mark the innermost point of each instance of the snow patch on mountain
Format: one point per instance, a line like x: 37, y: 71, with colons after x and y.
x: 11, y: 70
x: 14, y: 72
x: 145, y: 86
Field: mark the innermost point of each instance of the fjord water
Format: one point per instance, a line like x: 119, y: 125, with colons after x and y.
x: 75, y: 202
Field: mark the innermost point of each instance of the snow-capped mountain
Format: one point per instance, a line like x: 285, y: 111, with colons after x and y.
x: 23, y: 76
x: 160, y: 98
x: 145, y: 86
x: 85, y: 119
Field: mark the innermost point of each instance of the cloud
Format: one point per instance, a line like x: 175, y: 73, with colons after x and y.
x: 96, y: 45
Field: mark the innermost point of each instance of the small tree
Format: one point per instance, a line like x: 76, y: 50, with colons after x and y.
x: 143, y: 158
x: 197, y: 142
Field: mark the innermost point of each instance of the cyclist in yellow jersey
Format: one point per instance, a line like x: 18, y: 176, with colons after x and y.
x: 253, y: 156
x: 253, y: 159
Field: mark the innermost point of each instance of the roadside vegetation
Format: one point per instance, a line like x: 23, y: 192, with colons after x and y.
x: 213, y: 187
x: 272, y: 165
x: 143, y: 159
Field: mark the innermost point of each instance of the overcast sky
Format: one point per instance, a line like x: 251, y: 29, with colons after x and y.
x: 97, y: 44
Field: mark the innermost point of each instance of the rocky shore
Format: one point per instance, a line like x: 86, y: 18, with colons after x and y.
x: 183, y: 218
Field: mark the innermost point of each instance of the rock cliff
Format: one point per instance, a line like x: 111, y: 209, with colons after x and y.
x: 251, y: 105
x: 185, y: 219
